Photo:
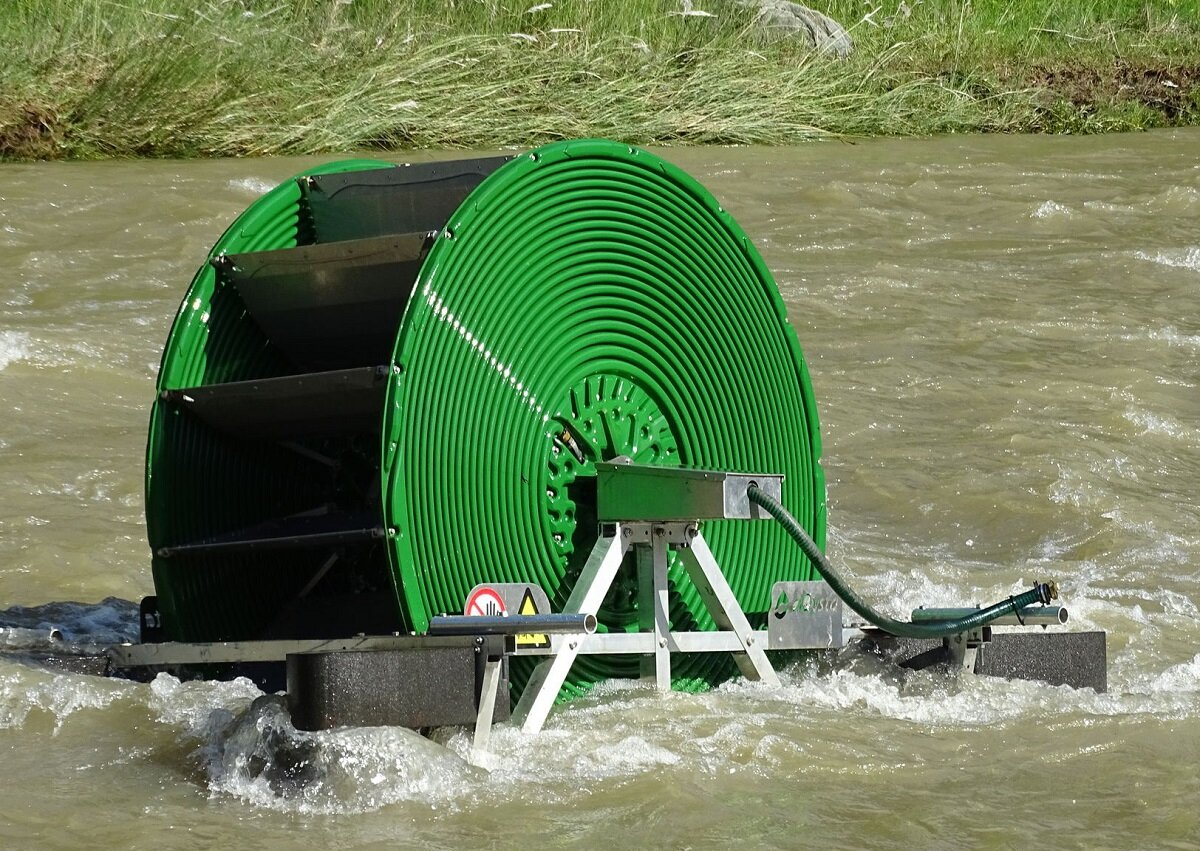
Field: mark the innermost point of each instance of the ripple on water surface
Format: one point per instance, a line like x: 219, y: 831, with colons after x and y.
x: 1002, y: 333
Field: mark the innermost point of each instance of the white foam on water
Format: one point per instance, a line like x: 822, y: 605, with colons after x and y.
x: 1175, y: 603
x: 340, y: 771
x: 14, y: 346
x: 56, y: 351
x: 249, y: 753
x: 939, y: 700
x: 75, y: 353
x: 1177, y: 199
x: 1182, y: 680
x: 24, y: 693
x: 596, y: 740
x: 898, y: 592
x: 1188, y: 258
x: 1170, y: 335
x: 1152, y: 423
x: 1051, y: 209
x: 252, y: 185
x: 196, y: 706
x: 1073, y: 487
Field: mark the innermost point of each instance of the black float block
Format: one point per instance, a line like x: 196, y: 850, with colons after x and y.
x: 430, y: 686
x: 1076, y: 659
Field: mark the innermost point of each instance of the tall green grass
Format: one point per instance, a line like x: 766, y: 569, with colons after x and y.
x: 88, y: 78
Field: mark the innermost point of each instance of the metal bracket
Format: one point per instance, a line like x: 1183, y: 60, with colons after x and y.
x: 734, y: 634
x: 547, y: 678
x: 805, y: 616
x: 964, y: 647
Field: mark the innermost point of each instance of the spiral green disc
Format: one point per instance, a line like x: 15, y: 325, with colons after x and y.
x: 592, y: 289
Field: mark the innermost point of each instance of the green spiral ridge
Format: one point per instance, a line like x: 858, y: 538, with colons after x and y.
x: 586, y: 301
x: 590, y: 287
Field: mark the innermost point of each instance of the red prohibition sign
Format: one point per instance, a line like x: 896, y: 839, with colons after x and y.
x: 486, y: 602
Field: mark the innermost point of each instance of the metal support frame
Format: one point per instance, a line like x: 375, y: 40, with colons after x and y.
x: 549, y: 676
x: 734, y: 633
x: 718, y: 598
x: 653, y: 610
x: 963, y: 647
x: 487, y: 708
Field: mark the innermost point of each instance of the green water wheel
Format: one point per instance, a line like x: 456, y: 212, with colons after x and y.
x: 391, y: 383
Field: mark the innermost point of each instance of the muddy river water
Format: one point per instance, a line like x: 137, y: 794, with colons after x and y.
x: 1004, y: 339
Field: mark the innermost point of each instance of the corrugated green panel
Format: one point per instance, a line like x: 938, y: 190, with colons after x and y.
x: 591, y: 287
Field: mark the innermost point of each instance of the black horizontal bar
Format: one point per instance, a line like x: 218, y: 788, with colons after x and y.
x: 406, y: 197
x: 330, y: 306
x: 334, y: 402
x: 300, y: 531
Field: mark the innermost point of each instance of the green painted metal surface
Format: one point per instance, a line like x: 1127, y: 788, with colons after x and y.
x: 588, y: 300
x: 198, y: 485
x: 592, y: 288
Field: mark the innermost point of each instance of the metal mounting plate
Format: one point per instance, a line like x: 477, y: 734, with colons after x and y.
x: 804, y: 616
x: 644, y: 493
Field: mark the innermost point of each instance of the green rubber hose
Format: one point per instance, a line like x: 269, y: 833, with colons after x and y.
x: 1041, y: 593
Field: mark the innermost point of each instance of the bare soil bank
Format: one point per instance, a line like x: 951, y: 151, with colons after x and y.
x: 1170, y: 90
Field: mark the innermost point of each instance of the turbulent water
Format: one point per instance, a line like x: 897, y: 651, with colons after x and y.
x: 1004, y: 337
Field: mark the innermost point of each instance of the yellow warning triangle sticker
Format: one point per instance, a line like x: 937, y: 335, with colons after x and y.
x: 528, y: 607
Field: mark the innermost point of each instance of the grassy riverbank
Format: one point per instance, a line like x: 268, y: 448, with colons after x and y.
x: 92, y: 78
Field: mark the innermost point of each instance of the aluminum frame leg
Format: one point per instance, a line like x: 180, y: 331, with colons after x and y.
x: 548, y: 677
x: 721, y: 603
x: 654, y: 610
x: 487, y: 708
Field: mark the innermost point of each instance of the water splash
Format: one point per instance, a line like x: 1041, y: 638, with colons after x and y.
x: 1162, y: 424
x: 249, y: 750
x: 254, y: 186
x: 1051, y: 209
x: 14, y: 346
x: 1170, y: 335
x: 111, y: 621
x: 25, y: 693
x: 1185, y: 259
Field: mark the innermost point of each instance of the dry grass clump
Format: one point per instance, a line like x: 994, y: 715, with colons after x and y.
x: 87, y: 78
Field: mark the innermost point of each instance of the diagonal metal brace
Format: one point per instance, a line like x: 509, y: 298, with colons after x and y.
x: 548, y: 677
x: 598, y: 574
x: 718, y: 598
